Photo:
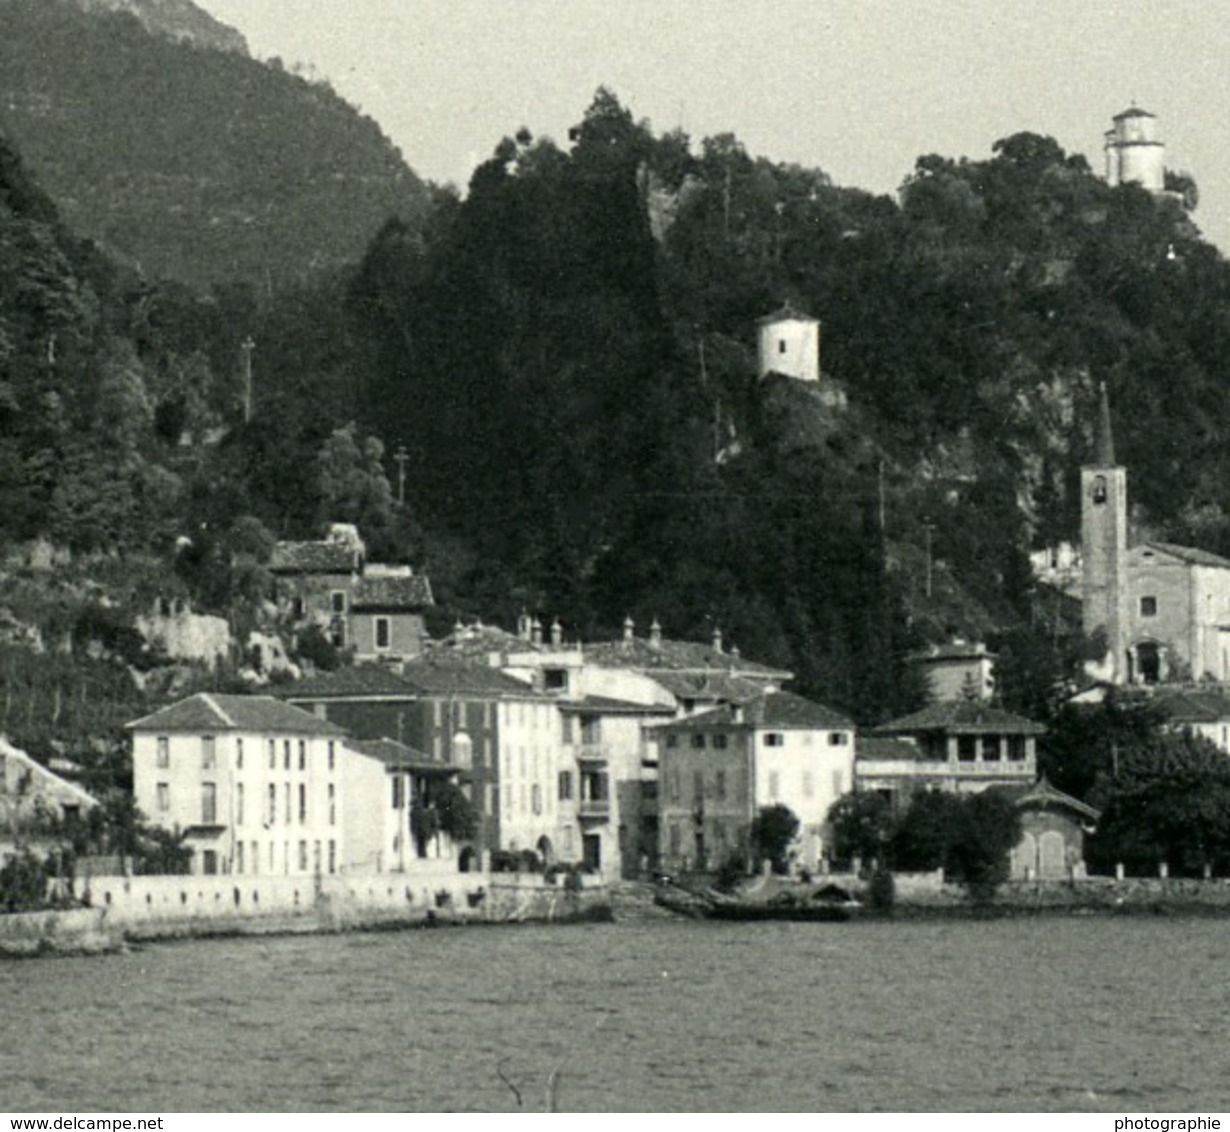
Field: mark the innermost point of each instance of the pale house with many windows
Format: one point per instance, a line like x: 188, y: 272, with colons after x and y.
x: 255, y: 785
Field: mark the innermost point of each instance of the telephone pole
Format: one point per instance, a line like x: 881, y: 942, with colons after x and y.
x: 400, y: 457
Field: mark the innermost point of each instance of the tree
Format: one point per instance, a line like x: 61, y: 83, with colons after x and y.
x: 862, y: 824
x: 773, y: 830
x: 1169, y: 802
x: 351, y: 481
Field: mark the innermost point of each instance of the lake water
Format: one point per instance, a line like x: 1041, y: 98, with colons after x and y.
x: 1055, y: 1014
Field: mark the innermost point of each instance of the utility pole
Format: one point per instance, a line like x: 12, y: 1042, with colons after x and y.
x: 247, y: 346
x: 400, y: 457
x: 928, y: 529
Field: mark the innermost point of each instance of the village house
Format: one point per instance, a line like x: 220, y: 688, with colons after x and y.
x: 961, y: 746
x: 1053, y: 830
x: 254, y: 785
x: 959, y: 670
x: 375, y: 610
x: 34, y: 802
x: 385, y: 782
x: 718, y: 769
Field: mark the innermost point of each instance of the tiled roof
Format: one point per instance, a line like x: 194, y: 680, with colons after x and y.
x: 456, y: 679
x: 313, y: 558
x: 1133, y: 112
x: 392, y: 593
x: 686, y: 656
x: 776, y: 709
x: 211, y: 711
x: 709, y: 686
x: 1191, y: 555
x: 784, y: 313
x: 361, y: 680
x: 874, y: 748
x: 1042, y: 794
x: 956, y: 716
x: 477, y: 642
x: 395, y: 754
x: 613, y: 706
x: 1195, y: 705
x: 954, y: 651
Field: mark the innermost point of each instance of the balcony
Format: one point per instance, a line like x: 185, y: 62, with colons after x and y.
x: 592, y: 754
x: 594, y: 809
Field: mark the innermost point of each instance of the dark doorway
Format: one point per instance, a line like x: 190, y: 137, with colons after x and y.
x: 591, y: 851
x: 1150, y: 659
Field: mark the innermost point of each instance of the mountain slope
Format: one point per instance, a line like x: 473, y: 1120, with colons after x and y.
x: 192, y: 163
x: 176, y: 19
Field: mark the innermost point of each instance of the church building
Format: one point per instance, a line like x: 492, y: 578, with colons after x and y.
x: 1162, y: 611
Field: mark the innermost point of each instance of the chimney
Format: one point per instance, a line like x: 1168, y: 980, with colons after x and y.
x: 536, y: 631
x: 557, y: 633
x: 629, y: 627
x: 717, y: 640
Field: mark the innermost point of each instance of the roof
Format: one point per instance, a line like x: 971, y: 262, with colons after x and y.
x: 372, y: 680
x: 685, y: 656
x: 314, y: 558
x: 1042, y: 795
x: 397, y: 755
x: 1190, y: 555
x: 782, y: 710
x: 1195, y: 705
x: 713, y: 686
x: 954, y: 650
x: 1133, y: 112
x: 478, y: 642
x: 962, y: 716
x: 392, y: 592
x: 877, y: 748
x: 214, y: 711
x: 462, y: 680
x: 786, y: 313
x: 608, y: 705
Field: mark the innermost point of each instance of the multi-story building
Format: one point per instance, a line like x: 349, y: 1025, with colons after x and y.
x: 32, y: 798
x: 718, y: 769
x: 254, y: 785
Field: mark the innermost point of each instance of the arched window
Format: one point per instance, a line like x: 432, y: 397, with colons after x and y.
x: 1099, y: 489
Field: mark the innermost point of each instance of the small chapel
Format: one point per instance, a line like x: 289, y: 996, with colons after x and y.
x: 1162, y: 611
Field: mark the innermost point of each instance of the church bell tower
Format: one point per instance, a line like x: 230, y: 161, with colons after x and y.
x: 1104, y: 550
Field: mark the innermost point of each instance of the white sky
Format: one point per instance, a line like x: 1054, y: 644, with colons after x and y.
x: 858, y: 88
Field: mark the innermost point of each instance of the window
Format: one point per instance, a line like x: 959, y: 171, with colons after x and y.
x: 536, y: 798
x: 239, y: 857
x: 273, y: 755
x: 164, y: 797
x: 990, y: 748
x: 332, y: 856
x: 209, y: 753
x: 719, y: 742
x: 1016, y: 748
x: 303, y: 856
x: 676, y: 839
x: 303, y: 754
x: 164, y: 752
x: 698, y: 786
x: 256, y: 858
x: 672, y: 741
x: 698, y: 741
x: 331, y: 756
x: 286, y: 754
x: 568, y: 729
x: 302, y: 803
x: 1099, y: 489
x: 209, y: 862
x: 288, y: 808
x: 673, y: 785
x: 565, y: 786
x: 1148, y: 607
x: 719, y: 786
x: 838, y: 739
x: 239, y: 804
x: 967, y: 748
x: 209, y: 803
x: 774, y: 739
x: 555, y: 679
x: 296, y: 608
x: 591, y: 730
x: 273, y: 808
x: 383, y: 634
x: 239, y: 754
x: 337, y: 601
x: 781, y: 345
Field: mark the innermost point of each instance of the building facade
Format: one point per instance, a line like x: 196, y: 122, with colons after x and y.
x: 1134, y: 152
x: 254, y: 785
x: 718, y: 769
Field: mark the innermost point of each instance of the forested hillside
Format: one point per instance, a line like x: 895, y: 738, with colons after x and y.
x: 195, y: 164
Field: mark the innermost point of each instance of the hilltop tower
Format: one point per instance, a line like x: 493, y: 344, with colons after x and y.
x: 1134, y: 152
x: 789, y: 344
x: 1104, y: 589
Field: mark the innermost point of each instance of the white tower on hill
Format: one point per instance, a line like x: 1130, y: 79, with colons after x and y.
x: 1134, y: 152
x: 789, y: 344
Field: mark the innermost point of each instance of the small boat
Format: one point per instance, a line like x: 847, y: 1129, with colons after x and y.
x: 829, y: 904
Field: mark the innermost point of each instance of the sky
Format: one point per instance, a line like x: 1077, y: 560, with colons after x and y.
x: 857, y: 88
